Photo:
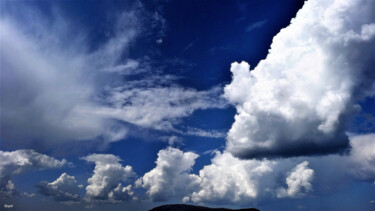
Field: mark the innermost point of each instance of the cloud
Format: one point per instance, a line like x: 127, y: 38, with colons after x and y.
x: 106, y: 182
x: 188, y: 46
x: 157, y: 107
x: 128, y: 68
x: 361, y: 162
x: 172, y: 140
x: 29, y: 195
x: 227, y: 180
x: 71, y: 90
x: 8, y: 190
x: 295, y: 102
x: 64, y: 188
x: 256, y: 25
x: 230, y: 180
x: 204, y: 133
x: 170, y: 178
x: 298, y: 181
x: 121, y: 193
x: 21, y: 161
x: 58, y: 83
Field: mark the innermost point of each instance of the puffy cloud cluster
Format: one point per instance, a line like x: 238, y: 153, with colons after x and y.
x: 298, y: 181
x: 228, y: 179
x: 295, y: 101
x: 122, y: 193
x: 21, y: 161
x: 106, y: 182
x: 64, y: 188
x: 170, y: 178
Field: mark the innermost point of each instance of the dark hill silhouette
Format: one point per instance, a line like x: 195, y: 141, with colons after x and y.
x: 185, y: 207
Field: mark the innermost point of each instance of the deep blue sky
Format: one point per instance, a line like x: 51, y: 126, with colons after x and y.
x: 186, y: 45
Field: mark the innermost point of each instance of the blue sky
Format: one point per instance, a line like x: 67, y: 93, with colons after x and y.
x: 133, y: 104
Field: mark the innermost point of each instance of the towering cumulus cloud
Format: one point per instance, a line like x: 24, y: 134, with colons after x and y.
x: 170, y: 178
x: 299, y: 179
x: 106, y: 182
x: 295, y: 101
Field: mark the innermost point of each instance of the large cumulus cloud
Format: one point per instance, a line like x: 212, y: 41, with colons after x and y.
x: 106, y: 183
x: 230, y: 180
x: 296, y: 101
x: 170, y: 178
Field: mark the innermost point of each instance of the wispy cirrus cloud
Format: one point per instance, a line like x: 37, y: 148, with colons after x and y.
x: 71, y: 91
x: 256, y: 25
x: 58, y: 83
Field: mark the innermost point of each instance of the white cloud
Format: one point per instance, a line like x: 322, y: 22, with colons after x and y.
x: 296, y: 100
x: 170, y: 178
x: 64, y: 188
x: 298, y: 181
x: 127, y: 68
x: 70, y: 92
x: 228, y: 179
x: 106, y: 182
x: 204, y: 133
x: 157, y: 107
x: 21, y: 161
x: 172, y: 140
x: 256, y: 25
x: 58, y: 85
x: 361, y: 161
x: 121, y: 193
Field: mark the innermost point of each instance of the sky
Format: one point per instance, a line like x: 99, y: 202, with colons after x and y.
x: 109, y: 105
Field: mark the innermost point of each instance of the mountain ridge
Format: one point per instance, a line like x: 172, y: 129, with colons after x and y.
x: 186, y: 207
